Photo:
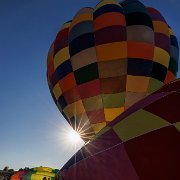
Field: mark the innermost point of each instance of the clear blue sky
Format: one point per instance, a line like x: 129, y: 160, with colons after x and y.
x: 30, y: 124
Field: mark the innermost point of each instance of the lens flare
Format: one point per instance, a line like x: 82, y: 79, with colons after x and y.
x: 74, y: 137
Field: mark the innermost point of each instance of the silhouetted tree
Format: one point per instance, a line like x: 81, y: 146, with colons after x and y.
x: 6, y: 168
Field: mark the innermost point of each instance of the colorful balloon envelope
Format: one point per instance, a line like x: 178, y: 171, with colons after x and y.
x: 108, y: 58
x: 38, y: 173
x: 18, y: 175
x: 143, y: 143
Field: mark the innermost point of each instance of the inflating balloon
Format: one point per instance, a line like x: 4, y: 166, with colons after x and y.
x: 108, y: 58
x: 140, y: 144
x: 38, y: 173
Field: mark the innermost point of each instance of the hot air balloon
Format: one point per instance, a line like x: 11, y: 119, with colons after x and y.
x: 143, y: 143
x: 17, y: 175
x: 108, y: 58
x: 38, y: 173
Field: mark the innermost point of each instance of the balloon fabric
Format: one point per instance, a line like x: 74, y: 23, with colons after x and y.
x: 38, y: 173
x: 140, y: 144
x: 108, y: 58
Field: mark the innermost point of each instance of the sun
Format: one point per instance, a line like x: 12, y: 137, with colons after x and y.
x: 68, y: 138
x: 73, y: 137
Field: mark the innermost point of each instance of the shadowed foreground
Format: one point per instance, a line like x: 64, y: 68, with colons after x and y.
x: 142, y: 143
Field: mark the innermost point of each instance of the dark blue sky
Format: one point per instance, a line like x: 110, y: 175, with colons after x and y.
x: 29, y: 120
